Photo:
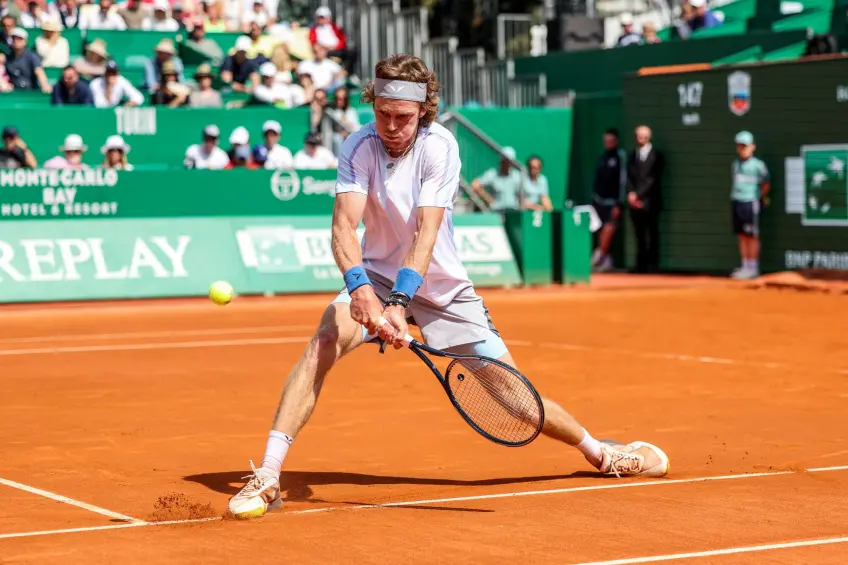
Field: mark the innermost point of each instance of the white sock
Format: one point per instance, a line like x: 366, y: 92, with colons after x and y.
x: 755, y: 265
x: 275, y: 451
x: 591, y: 448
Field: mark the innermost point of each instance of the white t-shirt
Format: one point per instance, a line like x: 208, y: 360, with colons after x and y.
x: 273, y: 94
x: 322, y: 73
x: 152, y: 24
x: 216, y: 159
x: 279, y: 157
x: 123, y: 88
x: 428, y: 176
x: 323, y: 159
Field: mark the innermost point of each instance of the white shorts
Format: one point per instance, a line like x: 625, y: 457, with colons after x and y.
x: 462, y: 326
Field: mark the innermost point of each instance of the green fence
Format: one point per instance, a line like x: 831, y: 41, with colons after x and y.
x: 156, y: 135
x: 51, y: 260
x: 107, y: 193
x: 798, y: 113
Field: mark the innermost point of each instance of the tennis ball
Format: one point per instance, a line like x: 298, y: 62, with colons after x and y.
x: 221, y: 293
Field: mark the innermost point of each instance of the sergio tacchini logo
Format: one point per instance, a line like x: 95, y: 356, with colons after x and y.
x: 285, y: 184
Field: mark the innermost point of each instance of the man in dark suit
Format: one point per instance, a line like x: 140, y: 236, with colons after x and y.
x: 644, y: 196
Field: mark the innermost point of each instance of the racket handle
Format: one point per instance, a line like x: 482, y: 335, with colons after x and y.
x: 407, y: 338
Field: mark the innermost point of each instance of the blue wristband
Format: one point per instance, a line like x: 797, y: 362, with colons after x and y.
x: 355, y: 277
x: 408, y: 282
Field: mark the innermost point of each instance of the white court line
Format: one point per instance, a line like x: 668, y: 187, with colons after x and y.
x: 146, y: 346
x: 170, y: 333
x: 729, y: 551
x: 444, y: 500
x: 66, y: 500
x: 139, y: 524
x: 661, y: 482
x: 668, y: 356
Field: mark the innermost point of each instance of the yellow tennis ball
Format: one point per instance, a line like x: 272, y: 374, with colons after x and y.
x: 221, y: 293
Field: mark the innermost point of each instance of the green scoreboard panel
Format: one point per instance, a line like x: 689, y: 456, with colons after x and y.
x: 798, y: 113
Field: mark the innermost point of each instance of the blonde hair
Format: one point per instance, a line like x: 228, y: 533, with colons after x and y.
x: 412, y: 69
x: 108, y: 165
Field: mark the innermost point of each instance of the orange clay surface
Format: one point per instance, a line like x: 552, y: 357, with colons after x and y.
x: 150, y: 411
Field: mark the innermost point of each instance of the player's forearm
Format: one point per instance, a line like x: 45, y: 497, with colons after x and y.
x: 345, y: 244
x: 421, y: 253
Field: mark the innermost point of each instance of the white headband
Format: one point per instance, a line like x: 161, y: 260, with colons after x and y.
x: 400, y: 90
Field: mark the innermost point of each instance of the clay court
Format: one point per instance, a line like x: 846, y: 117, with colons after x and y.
x: 126, y: 428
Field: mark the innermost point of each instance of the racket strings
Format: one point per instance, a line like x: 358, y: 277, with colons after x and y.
x: 497, y: 400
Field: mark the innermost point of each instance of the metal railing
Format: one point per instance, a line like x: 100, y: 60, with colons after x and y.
x: 479, y: 153
x: 467, y: 64
x: 513, y: 35
x: 438, y: 55
x: 494, y: 83
x: 528, y: 91
x: 413, y: 31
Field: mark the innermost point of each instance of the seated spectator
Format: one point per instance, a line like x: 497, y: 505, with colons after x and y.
x: 649, y: 33
x: 214, y: 22
x: 170, y: 92
x: 161, y: 20
x: 326, y: 34
x: 165, y: 52
x: 535, y: 187
x: 34, y: 16
x: 504, y: 182
x: 24, y: 66
x: 115, y: 153
x: 239, y: 136
x: 7, y: 25
x: 308, y: 87
x: 269, y: 91
x: 326, y: 73
x: 286, y: 67
x: 132, y: 13
x: 702, y: 18
x: 93, y: 64
x: 112, y: 89
x: 73, y: 150
x: 202, y: 44
x: 256, y: 14
x: 317, y: 108
x: 345, y: 119
x: 205, y: 96
x: 106, y: 17
x: 179, y: 15
x: 65, y: 11
x: 9, y: 8
x: 629, y: 36
x: 262, y: 45
x: 5, y: 83
x: 51, y: 46
x: 271, y: 154
x: 314, y: 155
x: 237, y: 69
x: 207, y: 155
x: 15, y: 154
x: 71, y: 90
x: 240, y: 158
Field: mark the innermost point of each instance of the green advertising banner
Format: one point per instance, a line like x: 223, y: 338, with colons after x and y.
x: 49, y: 260
x: 106, y: 193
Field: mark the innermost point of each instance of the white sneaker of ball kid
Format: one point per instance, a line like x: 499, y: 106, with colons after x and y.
x: 263, y: 486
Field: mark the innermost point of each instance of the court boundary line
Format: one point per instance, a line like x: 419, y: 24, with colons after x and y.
x: 714, y: 552
x: 67, y: 500
x: 400, y: 504
x: 148, y: 346
x: 154, y: 334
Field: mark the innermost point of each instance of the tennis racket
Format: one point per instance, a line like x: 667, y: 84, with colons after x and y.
x: 493, y: 398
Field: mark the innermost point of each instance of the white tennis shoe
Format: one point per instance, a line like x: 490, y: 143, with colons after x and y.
x: 263, y: 484
x: 634, y: 459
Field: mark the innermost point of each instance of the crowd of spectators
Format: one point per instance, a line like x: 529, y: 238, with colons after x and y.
x: 694, y: 15
x: 285, y: 58
x: 15, y: 153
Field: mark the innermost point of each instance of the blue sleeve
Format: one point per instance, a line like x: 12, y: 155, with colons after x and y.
x: 227, y: 65
x: 88, y: 97
x: 55, y: 98
x: 149, y: 74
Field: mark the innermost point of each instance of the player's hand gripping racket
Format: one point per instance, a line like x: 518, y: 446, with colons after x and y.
x: 492, y: 397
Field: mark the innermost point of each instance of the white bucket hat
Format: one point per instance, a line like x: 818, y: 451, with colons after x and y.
x: 272, y: 125
x: 74, y: 143
x: 115, y: 142
x: 240, y: 136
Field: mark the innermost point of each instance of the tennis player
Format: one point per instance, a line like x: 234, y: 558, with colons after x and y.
x: 400, y: 174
